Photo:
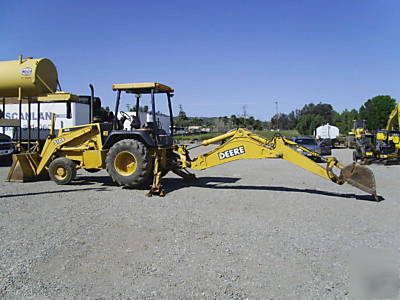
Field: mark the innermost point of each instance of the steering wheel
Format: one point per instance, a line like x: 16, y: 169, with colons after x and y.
x: 124, y: 114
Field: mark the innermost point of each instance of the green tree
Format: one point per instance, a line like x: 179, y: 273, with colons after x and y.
x: 257, y: 125
x: 182, y: 118
x: 344, y: 121
x: 375, y: 111
x: 308, y: 122
x: 235, y: 121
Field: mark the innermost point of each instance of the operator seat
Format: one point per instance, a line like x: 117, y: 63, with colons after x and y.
x: 135, y: 123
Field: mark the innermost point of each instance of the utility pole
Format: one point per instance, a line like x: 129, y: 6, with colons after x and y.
x: 277, y: 115
x: 244, y: 114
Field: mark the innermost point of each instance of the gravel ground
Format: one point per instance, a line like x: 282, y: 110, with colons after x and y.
x: 248, y: 229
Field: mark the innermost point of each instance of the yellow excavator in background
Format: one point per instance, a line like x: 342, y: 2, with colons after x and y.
x: 143, y: 155
x: 385, y: 146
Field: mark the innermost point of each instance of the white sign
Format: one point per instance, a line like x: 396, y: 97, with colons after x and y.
x: 79, y: 115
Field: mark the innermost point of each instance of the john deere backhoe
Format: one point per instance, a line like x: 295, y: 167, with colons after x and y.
x: 143, y: 155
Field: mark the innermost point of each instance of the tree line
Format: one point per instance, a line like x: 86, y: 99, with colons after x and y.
x: 219, y: 124
x: 374, y: 111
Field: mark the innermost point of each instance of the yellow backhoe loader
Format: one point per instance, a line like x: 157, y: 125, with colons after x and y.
x: 142, y: 155
x: 358, y: 135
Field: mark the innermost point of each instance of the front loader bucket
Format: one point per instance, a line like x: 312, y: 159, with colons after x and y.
x: 24, y: 167
x: 360, y: 177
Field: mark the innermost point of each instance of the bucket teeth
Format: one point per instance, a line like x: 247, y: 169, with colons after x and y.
x: 360, y: 177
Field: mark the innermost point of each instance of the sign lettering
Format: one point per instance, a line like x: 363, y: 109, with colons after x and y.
x: 231, y: 152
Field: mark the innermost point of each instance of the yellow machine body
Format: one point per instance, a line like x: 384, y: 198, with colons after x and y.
x: 393, y: 127
x: 82, y: 147
x: 357, y: 133
x: 82, y: 144
x: 30, y: 77
x: 381, y: 136
x: 386, y: 147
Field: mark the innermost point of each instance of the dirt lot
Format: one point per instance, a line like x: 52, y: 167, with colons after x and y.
x: 260, y: 228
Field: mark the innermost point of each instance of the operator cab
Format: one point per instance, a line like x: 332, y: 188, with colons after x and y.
x: 147, y: 121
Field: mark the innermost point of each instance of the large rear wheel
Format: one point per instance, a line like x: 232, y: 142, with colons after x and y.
x: 129, y: 163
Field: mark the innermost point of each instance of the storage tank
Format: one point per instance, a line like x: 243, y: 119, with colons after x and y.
x: 36, y: 77
x: 327, y: 131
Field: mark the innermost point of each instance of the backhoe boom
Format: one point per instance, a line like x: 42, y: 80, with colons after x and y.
x: 243, y: 144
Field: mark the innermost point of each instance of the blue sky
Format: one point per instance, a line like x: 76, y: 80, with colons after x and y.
x: 218, y: 55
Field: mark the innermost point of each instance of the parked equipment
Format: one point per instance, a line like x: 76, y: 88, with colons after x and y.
x: 384, y: 147
x: 143, y: 155
x: 358, y: 135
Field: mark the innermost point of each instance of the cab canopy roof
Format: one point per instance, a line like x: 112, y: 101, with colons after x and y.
x: 143, y: 88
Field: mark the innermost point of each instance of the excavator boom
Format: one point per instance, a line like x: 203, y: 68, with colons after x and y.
x: 244, y: 144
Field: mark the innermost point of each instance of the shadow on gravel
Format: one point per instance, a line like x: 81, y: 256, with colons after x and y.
x: 54, y: 192
x: 89, y: 180
x: 173, y: 184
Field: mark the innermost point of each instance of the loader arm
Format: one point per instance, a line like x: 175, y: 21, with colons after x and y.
x: 77, y: 139
x: 53, y: 144
x: 394, y: 118
x: 244, y: 144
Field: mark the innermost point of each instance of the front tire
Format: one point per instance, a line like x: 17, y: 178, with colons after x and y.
x: 62, y: 170
x: 129, y: 163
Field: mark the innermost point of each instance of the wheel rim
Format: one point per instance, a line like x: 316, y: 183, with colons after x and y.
x: 60, y: 173
x: 125, y: 163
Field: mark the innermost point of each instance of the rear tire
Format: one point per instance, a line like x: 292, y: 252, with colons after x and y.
x: 62, y: 170
x: 129, y: 163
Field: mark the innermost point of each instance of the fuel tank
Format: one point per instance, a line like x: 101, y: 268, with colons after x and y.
x: 35, y: 77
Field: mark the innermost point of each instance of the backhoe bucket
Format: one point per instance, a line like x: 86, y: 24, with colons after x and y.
x: 360, y: 177
x: 24, y: 167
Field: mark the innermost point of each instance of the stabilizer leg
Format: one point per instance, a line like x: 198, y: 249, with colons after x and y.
x: 156, y: 187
